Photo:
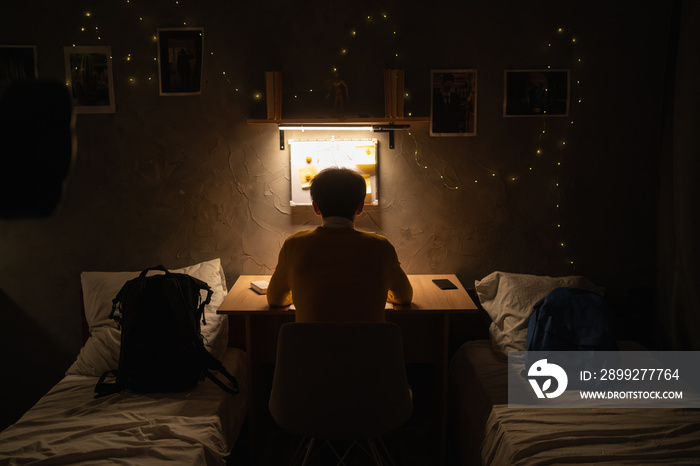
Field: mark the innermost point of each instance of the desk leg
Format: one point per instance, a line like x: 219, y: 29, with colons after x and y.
x: 444, y: 380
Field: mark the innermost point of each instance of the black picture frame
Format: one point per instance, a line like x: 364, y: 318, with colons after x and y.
x: 18, y: 62
x: 453, y: 102
x: 536, y: 92
x: 180, y: 61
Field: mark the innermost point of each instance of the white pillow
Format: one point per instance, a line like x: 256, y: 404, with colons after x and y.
x: 509, y: 299
x: 101, y: 350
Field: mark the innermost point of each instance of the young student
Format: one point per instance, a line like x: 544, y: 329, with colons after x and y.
x: 337, y: 273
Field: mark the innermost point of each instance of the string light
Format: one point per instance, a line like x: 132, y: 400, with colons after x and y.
x: 542, y: 153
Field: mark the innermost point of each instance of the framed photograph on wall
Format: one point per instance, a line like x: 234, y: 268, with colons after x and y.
x: 18, y: 62
x: 89, y: 75
x: 536, y: 93
x: 180, y: 61
x: 453, y: 105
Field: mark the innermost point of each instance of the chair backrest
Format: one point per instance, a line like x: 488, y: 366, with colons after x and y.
x: 340, y: 380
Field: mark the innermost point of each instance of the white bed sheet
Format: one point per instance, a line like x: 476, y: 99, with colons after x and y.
x: 490, y: 433
x: 69, y: 427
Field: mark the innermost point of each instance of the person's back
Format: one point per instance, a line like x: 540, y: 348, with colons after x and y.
x: 336, y: 272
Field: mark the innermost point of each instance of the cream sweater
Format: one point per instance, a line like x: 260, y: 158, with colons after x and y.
x: 338, y: 274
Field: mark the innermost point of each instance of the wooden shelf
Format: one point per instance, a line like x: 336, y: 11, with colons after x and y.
x: 335, y: 121
x: 386, y: 123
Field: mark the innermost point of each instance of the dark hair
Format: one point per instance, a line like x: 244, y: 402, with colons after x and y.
x: 338, y: 192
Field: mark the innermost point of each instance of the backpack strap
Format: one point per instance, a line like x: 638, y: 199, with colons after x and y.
x: 201, y: 285
x: 162, y: 268
x: 214, y: 364
x: 107, y: 388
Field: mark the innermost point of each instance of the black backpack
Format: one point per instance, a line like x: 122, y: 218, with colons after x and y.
x: 162, y: 349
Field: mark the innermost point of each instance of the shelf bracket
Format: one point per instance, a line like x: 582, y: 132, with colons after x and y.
x: 389, y: 129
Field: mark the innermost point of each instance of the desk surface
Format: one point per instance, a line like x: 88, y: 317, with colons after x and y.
x: 426, y: 296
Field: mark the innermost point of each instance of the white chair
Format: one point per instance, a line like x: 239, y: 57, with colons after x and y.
x: 341, y: 381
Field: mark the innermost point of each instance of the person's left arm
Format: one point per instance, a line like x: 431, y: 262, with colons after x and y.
x: 279, y: 292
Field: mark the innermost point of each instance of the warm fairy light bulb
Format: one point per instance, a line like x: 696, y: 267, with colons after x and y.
x: 88, y: 14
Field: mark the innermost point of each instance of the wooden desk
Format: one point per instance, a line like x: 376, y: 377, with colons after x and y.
x: 425, y: 328
x: 426, y: 296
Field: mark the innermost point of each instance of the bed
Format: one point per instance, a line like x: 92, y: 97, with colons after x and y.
x: 68, y: 426
x: 486, y: 431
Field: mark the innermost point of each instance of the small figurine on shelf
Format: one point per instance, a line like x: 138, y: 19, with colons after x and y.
x: 339, y: 91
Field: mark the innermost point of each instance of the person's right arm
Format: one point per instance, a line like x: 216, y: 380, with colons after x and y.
x: 400, y: 289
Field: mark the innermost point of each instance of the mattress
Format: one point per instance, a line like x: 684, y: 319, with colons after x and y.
x: 68, y: 426
x: 487, y: 432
